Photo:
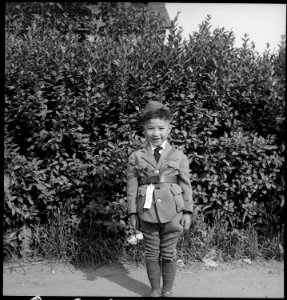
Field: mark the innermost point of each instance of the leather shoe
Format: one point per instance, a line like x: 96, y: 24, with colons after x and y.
x: 155, y: 293
x: 166, y: 294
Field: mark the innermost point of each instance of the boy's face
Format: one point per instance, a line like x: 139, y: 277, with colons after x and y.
x: 156, y: 131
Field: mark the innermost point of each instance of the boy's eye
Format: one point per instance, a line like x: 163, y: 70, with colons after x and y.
x: 151, y: 128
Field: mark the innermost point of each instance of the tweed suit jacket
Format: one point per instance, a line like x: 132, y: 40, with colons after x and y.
x: 168, y: 198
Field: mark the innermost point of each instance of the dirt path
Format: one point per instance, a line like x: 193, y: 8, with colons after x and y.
x: 236, y: 279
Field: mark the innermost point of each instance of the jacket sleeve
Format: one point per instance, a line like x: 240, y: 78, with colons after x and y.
x: 184, y: 182
x: 132, y: 184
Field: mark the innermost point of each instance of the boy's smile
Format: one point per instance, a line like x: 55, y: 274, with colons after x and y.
x: 156, y: 131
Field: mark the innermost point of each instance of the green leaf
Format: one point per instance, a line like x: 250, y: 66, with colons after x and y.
x: 269, y: 147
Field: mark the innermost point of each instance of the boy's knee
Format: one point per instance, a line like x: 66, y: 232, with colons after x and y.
x: 168, y: 256
x: 152, y: 256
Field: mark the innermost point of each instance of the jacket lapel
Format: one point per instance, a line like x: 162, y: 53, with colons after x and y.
x: 148, y: 155
x: 165, y: 152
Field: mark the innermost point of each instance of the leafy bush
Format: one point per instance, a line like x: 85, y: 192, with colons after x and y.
x: 72, y: 117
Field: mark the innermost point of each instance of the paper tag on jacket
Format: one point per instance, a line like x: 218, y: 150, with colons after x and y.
x: 149, y: 196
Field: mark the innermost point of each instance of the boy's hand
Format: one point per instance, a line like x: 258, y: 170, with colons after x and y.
x: 186, y: 221
x: 134, y: 221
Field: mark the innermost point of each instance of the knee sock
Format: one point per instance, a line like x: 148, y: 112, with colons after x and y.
x: 153, y: 273
x: 168, y: 274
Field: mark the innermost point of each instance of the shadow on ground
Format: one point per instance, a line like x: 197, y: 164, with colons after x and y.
x: 118, y: 274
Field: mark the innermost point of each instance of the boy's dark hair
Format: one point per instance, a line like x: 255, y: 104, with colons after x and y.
x: 160, y: 113
x: 154, y: 110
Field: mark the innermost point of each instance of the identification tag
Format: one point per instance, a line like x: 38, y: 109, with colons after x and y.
x: 149, y: 196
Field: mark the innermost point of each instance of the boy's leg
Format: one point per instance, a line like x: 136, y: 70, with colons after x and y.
x: 169, y: 237
x: 153, y: 273
x: 152, y: 245
x: 168, y: 276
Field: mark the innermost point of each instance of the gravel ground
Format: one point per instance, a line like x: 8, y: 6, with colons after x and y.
x: 236, y: 279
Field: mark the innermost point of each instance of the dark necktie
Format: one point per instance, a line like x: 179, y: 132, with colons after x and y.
x: 156, y: 153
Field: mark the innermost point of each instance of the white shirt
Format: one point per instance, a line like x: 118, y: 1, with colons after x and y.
x: 162, y: 146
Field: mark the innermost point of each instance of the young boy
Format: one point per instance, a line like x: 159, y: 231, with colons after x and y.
x: 159, y: 197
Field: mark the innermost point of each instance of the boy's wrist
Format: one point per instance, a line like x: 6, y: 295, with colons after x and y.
x: 132, y: 214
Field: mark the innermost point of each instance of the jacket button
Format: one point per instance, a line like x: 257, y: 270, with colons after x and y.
x: 158, y: 200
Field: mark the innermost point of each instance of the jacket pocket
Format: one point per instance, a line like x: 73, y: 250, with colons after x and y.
x: 141, y: 199
x: 178, y: 198
x: 173, y: 164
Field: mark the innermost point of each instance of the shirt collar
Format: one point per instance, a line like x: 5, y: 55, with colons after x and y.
x: 162, y: 146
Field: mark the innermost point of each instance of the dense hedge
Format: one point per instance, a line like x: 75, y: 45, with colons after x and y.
x: 72, y: 117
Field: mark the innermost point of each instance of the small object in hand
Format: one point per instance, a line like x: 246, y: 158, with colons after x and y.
x: 135, y: 238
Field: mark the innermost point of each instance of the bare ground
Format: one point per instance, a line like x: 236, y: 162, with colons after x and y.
x: 237, y: 279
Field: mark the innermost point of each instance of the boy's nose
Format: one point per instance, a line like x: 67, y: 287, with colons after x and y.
x: 155, y: 135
